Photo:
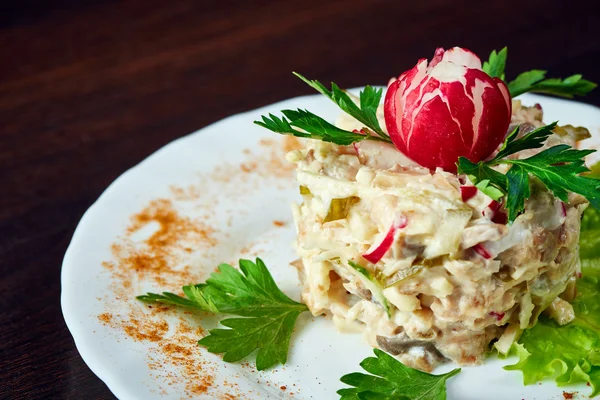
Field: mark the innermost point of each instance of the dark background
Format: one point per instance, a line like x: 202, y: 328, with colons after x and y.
x: 89, y: 88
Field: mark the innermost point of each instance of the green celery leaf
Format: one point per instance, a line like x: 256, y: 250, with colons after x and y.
x: 494, y: 67
x: 369, y: 101
x: 270, y: 314
x: 391, y: 380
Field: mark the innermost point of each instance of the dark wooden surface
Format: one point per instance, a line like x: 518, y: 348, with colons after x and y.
x: 89, y: 88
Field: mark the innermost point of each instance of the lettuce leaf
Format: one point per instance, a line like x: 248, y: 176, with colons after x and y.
x: 570, y: 353
x: 589, y: 241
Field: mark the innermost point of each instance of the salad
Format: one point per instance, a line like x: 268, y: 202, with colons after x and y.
x: 445, y: 224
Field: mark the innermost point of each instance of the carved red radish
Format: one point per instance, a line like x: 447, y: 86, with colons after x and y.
x: 439, y: 111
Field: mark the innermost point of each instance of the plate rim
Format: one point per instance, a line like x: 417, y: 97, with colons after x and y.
x: 67, y: 302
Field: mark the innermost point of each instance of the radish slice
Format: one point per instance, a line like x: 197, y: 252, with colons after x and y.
x: 497, y: 315
x: 482, y: 251
x: 495, y: 214
x: 378, y: 249
x: 563, y: 209
x: 467, y: 192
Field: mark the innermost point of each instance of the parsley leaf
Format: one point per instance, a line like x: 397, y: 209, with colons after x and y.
x: 569, y: 87
x: 313, y: 127
x: 369, y: 101
x: 269, y: 314
x: 533, y: 140
x: 559, y: 168
x: 486, y: 179
x: 392, y: 380
x: 517, y: 180
x: 302, y: 123
x: 195, y: 299
x: 533, y: 81
x: 524, y: 81
x: 494, y: 67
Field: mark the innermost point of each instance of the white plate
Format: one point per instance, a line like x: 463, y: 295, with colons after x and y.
x: 242, y: 211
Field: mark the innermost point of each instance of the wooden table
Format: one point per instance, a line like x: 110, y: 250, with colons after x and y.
x: 89, y: 88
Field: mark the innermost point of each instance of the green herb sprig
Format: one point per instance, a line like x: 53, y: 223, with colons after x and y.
x: 495, y: 65
x: 268, y: 314
x: 535, y: 80
x: 369, y: 101
x: 194, y: 299
x: 313, y: 127
x: 304, y: 124
x: 390, y: 380
x: 559, y: 168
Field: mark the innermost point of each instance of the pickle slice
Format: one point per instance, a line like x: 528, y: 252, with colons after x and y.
x: 304, y: 190
x: 339, y: 208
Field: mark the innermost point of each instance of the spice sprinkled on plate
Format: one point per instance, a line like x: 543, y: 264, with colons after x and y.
x: 169, y: 242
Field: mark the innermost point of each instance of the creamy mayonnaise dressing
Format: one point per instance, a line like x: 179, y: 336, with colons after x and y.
x: 450, y: 280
